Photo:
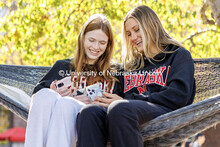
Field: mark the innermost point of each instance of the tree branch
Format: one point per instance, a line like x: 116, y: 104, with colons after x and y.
x: 198, y: 33
x: 72, y: 13
x: 203, y: 15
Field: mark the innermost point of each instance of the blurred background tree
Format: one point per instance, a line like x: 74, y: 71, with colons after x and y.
x: 39, y: 32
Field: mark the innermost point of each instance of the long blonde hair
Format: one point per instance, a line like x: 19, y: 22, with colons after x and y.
x: 151, y: 29
x: 95, y: 22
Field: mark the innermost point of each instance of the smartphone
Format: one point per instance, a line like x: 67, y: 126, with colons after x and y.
x: 65, y: 82
x: 94, y: 90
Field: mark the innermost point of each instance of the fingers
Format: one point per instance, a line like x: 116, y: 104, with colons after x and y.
x: 100, y: 104
x: 67, y: 93
x: 109, y: 95
x: 63, y: 91
x: 53, y: 85
x: 104, y: 100
x: 83, y: 98
x: 112, y: 96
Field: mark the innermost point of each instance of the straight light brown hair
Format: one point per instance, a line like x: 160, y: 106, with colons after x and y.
x: 95, y: 22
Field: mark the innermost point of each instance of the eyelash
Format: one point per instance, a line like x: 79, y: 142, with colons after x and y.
x: 135, y: 31
x: 102, y: 43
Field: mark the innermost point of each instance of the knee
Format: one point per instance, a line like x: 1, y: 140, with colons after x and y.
x: 45, y: 96
x: 91, y: 111
x: 68, y: 105
x: 118, y: 106
x: 119, y: 110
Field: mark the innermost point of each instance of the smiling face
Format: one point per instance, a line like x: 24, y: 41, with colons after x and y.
x: 95, y: 44
x: 133, y: 32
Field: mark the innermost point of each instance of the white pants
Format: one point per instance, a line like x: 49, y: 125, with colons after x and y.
x: 52, y: 120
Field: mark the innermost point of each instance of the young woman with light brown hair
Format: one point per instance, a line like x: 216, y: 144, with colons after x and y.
x: 54, y: 107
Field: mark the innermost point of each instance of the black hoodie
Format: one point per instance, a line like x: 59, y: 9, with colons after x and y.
x: 169, y: 81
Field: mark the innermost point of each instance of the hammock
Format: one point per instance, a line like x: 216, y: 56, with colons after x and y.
x: 163, y: 131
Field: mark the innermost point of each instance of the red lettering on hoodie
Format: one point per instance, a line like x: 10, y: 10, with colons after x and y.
x: 159, y: 72
x: 126, y: 85
x: 147, y: 80
x: 132, y: 81
x: 142, y: 89
x: 153, y: 77
x: 168, y: 69
x: 140, y: 79
x: 137, y: 80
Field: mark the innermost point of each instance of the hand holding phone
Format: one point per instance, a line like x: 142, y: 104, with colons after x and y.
x: 65, y: 82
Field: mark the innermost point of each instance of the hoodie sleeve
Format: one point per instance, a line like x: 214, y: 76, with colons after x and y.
x: 180, y: 83
x: 53, y: 74
x: 180, y: 86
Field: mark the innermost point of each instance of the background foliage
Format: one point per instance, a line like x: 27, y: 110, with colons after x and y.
x: 37, y: 32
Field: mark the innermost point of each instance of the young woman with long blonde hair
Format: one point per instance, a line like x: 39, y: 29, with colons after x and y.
x: 161, y: 80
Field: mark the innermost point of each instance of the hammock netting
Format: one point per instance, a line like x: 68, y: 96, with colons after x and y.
x: 163, y: 131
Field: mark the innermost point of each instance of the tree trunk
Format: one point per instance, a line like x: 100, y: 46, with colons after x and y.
x: 215, y: 8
